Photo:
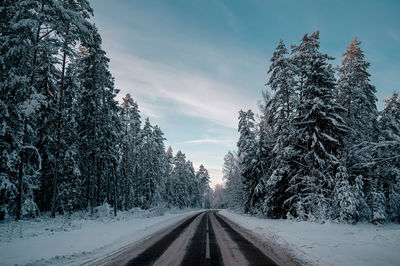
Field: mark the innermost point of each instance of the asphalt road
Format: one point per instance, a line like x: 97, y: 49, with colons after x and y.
x: 202, y: 239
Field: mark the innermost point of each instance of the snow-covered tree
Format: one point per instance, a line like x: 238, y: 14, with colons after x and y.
x: 65, y: 143
x: 70, y: 26
x: 356, y: 94
x: 248, y: 152
x: 282, y: 81
x: 179, y: 194
x: 20, y: 100
x: 275, y: 131
x: 203, y: 180
x: 345, y: 200
x: 218, y: 197
x: 98, y: 124
x: 130, y: 151
x: 386, y: 159
x: 160, y: 164
x: 169, y: 181
x: 319, y: 131
x: 378, y: 203
x: 234, y: 189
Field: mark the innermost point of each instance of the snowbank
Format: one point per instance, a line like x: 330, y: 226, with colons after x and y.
x: 76, y: 238
x: 329, y: 243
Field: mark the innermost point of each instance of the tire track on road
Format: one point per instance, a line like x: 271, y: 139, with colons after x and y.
x: 151, y: 254
x: 253, y: 254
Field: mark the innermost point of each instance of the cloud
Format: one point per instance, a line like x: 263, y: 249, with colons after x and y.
x: 148, y: 111
x: 188, y: 92
x: 227, y: 142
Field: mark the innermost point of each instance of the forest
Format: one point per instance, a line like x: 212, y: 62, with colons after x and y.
x: 66, y: 143
x: 319, y: 150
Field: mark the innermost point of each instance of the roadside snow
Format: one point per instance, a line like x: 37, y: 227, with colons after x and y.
x: 329, y: 243
x: 74, y: 239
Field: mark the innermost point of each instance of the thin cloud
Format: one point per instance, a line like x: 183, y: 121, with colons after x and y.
x: 211, y: 141
x: 190, y: 93
x: 145, y: 109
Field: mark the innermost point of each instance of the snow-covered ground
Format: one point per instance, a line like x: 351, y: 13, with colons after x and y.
x: 329, y: 243
x: 74, y: 239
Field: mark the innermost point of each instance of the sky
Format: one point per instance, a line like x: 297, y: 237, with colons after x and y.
x: 192, y: 65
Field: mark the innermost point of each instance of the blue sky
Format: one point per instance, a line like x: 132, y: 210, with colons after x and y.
x: 192, y: 65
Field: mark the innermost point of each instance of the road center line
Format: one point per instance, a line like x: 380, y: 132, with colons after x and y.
x: 207, y: 240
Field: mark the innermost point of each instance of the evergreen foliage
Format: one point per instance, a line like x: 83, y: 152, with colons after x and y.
x: 321, y: 150
x: 66, y: 144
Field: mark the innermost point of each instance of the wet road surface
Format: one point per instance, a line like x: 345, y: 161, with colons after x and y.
x: 206, y: 238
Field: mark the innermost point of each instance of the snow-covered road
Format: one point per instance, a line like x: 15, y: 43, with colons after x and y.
x: 73, y: 241
x: 202, y: 239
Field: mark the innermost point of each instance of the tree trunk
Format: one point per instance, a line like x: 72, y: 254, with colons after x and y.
x: 21, y: 174
x: 60, y: 109
x: 89, y: 186
x: 22, y: 157
x: 126, y: 169
x: 36, y: 50
x: 115, y: 190
x: 98, y: 196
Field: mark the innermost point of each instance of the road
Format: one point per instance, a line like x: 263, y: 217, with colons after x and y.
x: 206, y: 238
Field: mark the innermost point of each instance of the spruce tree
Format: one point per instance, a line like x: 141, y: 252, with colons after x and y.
x: 70, y: 26
x: 248, y: 152
x: 278, y: 114
x: 318, y: 137
x: 98, y: 124
x: 234, y: 184
x: 385, y: 155
x: 130, y: 151
x: 357, y: 96
x: 20, y: 100
x: 203, y: 180
x: 345, y: 200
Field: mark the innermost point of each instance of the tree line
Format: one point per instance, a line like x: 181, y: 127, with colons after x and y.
x: 66, y: 144
x: 320, y: 149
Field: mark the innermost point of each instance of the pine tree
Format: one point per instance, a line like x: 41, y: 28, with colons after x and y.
x: 319, y: 132
x: 363, y: 209
x: 346, y: 203
x: 192, y: 185
x: 357, y: 95
x: 71, y: 26
x: 282, y: 81
x: 98, y: 125
x: 378, y: 203
x: 169, y: 182
x: 203, y: 180
x: 179, y: 194
x: 160, y: 164
x: 146, y: 181
x: 234, y: 185
x: 65, y: 142
x: 278, y: 114
x: 387, y: 166
x: 130, y: 150
x: 249, y: 161
x: 20, y: 100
